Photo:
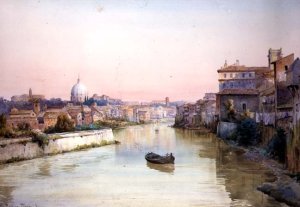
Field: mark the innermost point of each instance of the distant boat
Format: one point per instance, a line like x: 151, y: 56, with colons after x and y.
x: 158, y: 159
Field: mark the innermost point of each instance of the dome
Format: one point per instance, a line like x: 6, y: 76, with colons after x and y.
x: 78, y: 92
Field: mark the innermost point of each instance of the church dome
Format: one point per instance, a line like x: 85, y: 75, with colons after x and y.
x: 78, y: 92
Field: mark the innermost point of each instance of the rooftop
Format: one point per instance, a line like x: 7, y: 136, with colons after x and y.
x: 238, y: 92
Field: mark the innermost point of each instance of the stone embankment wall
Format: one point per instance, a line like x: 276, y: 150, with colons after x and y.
x: 24, y: 148
x: 226, y: 129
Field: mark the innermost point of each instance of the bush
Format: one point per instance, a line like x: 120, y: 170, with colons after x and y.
x: 63, y: 124
x: 248, y: 133
x: 277, y: 146
x: 41, y: 138
x: 7, y: 133
x: 2, y: 121
x: 24, y: 126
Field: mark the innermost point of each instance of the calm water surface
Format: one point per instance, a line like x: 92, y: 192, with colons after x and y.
x: 206, y: 173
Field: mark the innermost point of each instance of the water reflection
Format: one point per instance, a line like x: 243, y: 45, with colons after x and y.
x: 165, y: 168
x: 208, y: 173
x: 44, y: 168
x: 5, y: 193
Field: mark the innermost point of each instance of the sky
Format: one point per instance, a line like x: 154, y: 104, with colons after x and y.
x: 137, y: 50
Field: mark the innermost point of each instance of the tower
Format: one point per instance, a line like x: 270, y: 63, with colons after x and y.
x: 36, y: 107
x: 167, y: 101
x: 30, y: 93
x: 274, y: 55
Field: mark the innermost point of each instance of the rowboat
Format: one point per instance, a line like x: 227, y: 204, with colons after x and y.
x: 158, y: 159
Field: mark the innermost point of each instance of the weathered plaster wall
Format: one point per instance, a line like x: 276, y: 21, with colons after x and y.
x: 23, y: 149
x: 226, y: 129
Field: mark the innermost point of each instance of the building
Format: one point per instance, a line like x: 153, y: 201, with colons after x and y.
x: 49, y: 117
x: 17, y: 117
x: 238, y: 95
x: 167, y: 101
x: 106, y: 100
x: 207, y: 111
x: 283, y: 98
x: 293, y: 142
x: 79, y: 93
x: 27, y: 97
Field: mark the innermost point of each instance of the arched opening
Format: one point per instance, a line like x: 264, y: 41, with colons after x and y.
x: 244, y: 106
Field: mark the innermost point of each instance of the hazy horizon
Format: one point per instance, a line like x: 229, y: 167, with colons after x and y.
x: 137, y: 50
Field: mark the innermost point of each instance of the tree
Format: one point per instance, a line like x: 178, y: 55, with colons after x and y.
x: 24, y: 126
x: 230, y: 111
x: 277, y: 146
x: 2, y: 121
x: 248, y: 133
x: 64, y: 124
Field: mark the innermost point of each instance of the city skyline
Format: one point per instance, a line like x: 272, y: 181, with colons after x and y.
x: 137, y: 50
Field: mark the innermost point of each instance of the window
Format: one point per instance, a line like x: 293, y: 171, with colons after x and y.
x: 250, y: 75
x: 231, y: 75
x: 244, y: 106
x: 243, y: 75
x: 225, y: 75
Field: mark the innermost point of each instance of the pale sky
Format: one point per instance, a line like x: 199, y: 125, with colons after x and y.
x: 137, y: 50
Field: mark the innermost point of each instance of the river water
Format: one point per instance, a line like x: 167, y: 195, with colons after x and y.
x: 206, y: 173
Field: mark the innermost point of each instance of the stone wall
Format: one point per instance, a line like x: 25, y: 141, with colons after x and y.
x: 251, y: 102
x: 226, y: 129
x: 24, y: 148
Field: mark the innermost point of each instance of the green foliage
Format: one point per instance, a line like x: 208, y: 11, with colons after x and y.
x: 7, y: 133
x: 24, y: 126
x: 88, y: 127
x: 277, y: 146
x: 248, y: 133
x: 232, y: 136
x: 63, y: 124
x: 41, y: 138
x: 2, y: 121
x: 230, y: 111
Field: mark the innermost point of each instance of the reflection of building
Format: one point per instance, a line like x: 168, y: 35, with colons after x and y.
x: 143, y: 116
x: 78, y: 93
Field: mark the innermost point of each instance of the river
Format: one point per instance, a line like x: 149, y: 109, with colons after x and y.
x: 206, y: 173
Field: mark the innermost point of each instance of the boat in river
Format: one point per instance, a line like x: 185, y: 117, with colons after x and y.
x: 158, y: 159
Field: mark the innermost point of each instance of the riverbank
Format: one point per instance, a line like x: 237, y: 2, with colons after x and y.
x: 283, y: 188
x: 12, y: 150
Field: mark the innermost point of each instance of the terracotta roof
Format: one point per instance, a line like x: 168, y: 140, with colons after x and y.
x: 238, y: 92
x: 235, y: 68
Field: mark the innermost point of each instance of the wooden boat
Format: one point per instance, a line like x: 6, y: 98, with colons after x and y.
x: 158, y: 159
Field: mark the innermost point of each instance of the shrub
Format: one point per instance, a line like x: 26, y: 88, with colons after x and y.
x: 64, y: 124
x: 7, y: 133
x: 277, y: 146
x: 41, y: 138
x: 248, y: 133
x: 24, y: 126
x: 2, y: 121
